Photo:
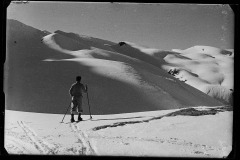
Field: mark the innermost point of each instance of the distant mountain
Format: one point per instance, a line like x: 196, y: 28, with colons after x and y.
x: 40, y: 68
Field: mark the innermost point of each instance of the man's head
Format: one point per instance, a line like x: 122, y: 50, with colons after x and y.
x: 78, y: 78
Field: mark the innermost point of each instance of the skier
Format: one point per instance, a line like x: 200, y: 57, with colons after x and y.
x: 76, y: 94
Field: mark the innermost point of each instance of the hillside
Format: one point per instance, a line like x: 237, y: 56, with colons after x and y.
x: 40, y: 68
x: 206, y: 68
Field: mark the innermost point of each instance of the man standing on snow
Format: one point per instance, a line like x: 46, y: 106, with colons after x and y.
x: 76, y: 93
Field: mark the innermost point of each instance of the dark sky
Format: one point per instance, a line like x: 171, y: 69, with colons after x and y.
x: 162, y: 26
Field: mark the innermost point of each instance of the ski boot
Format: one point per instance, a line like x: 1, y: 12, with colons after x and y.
x: 79, y: 117
x: 72, y: 118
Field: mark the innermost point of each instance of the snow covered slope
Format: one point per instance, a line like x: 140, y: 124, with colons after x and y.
x: 40, y: 68
x: 206, y: 68
x: 190, y: 132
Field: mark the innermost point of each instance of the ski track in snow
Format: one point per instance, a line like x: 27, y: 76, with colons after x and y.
x: 41, y: 145
x: 87, y: 148
x: 87, y: 139
x: 17, y: 144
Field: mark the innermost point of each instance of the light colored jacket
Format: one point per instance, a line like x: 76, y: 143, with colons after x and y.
x: 76, y: 89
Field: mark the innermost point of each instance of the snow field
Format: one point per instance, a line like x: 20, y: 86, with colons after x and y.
x: 132, y: 134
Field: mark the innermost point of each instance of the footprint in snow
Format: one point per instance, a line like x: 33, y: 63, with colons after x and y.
x: 198, y: 152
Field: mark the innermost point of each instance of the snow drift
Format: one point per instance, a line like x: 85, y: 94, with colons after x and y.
x: 40, y: 68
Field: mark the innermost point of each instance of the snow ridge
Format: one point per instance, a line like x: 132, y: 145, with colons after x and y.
x: 183, y: 112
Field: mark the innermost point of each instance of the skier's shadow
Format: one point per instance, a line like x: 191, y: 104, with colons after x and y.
x: 116, y: 118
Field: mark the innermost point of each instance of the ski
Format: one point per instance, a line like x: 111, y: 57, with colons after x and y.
x: 77, y: 121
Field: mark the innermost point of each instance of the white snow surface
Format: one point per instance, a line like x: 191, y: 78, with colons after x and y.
x: 120, y: 134
x: 206, y: 68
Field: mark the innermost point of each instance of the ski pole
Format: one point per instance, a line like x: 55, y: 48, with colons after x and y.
x: 66, y: 111
x: 89, y: 105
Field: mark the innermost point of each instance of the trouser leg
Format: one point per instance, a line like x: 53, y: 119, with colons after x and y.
x: 72, y: 118
x: 74, y: 105
x: 79, y: 117
x: 73, y: 109
x: 79, y: 105
x: 80, y: 110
